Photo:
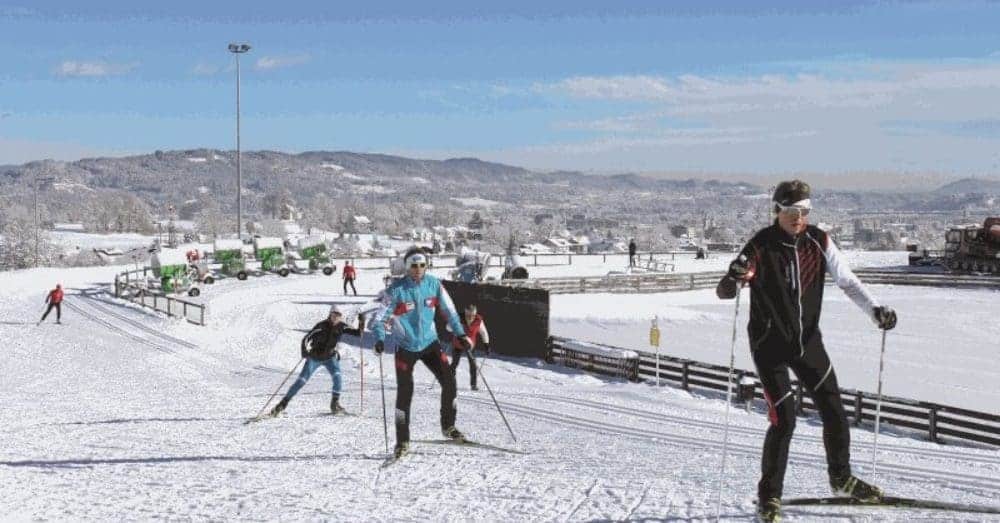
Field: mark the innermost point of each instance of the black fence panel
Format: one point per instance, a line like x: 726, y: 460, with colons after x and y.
x: 517, y: 318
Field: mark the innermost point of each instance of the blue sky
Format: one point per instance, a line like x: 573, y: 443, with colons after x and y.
x: 710, y: 86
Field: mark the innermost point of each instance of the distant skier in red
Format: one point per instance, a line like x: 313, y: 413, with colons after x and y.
x: 349, y: 274
x: 54, y: 299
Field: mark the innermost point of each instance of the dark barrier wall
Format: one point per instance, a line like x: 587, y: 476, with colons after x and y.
x: 517, y: 318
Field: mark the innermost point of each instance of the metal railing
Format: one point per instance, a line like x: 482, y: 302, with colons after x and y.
x: 934, y: 420
x: 131, y: 287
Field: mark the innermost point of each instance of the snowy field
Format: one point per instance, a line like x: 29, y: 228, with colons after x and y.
x: 121, y: 415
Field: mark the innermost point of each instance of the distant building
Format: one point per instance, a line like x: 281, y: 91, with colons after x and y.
x: 68, y: 227
x: 543, y: 217
x: 558, y: 245
x: 361, y: 223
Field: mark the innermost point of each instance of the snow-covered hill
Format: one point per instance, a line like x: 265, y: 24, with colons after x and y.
x: 120, y: 415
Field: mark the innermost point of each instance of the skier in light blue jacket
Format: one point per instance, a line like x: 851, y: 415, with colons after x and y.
x: 409, y: 305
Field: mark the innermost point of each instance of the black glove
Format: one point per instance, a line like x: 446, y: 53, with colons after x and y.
x: 739, y: 269
x: 885, y: 317
x: 464, y: 340
x: 305, y: 351
x: 486, y: 347
x: 379, y: 347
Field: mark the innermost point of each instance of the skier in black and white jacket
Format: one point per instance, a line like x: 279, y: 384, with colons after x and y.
x: 319, y: 349
x: 784, y: 265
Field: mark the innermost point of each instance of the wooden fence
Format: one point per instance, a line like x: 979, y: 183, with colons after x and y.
x: 130, y: 286
x: 659, y: 282
x: 934, y: 420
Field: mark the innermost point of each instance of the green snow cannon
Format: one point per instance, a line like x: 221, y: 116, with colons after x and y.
x: 313, y: 249
x: 229, y: 253
x: 270, y: 253
x: 171, y: 267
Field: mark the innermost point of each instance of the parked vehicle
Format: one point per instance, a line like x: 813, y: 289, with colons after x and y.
x: 974, y: 248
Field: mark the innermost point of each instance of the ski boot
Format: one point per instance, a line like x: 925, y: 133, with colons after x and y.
x: 402, y: 448
x: 279, y: 408
x: 769, y: 510
x: 335, y: 407
x: 856, y: 489
x: 474, y: 387
x: 453, y: 434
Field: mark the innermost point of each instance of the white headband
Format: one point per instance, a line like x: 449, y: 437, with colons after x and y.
x: 801, y: 204
x: 415, y: 258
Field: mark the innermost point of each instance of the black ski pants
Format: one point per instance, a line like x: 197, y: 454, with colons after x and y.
x: 351, y: 281
x: 456, y: 357
x: 57, y: 307
x: 436, y: 360
x: 815, y: 371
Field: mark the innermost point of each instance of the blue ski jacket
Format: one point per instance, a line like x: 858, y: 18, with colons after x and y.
x: 410, y: 307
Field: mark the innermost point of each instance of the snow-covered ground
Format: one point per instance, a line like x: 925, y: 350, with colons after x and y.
x: 85, y: 241
x: 121, y: 415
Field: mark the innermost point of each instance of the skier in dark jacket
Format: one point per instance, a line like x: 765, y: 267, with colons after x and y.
x: 475, y: 327
x: 54, y: 298
x: 319, y: 348
x: 784, y: 265
x: 631, y: 252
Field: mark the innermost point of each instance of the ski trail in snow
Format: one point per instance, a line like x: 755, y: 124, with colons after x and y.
x: 988, y: 484
x: 688, y: 421
x: 104, y: 305
x: 117, y: 329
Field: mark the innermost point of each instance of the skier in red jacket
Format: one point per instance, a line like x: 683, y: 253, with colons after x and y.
x: 349, y: 276
x: 54, y: 299
x: 474, y: 327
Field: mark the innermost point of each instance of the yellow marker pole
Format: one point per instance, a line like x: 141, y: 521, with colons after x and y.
x: 654, y: 340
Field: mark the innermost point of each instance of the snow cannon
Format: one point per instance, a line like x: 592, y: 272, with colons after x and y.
x: 514, y: 268
x: 172, y: 269
x: 229, y: 253
x: 470, y: 266
x: 270, y: 253
x: 313, y: 249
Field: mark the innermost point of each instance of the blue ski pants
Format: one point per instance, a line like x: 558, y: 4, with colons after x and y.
x: 311, y: 366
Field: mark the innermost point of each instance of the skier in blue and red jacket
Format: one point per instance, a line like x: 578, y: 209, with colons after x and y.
x: 410, y: 305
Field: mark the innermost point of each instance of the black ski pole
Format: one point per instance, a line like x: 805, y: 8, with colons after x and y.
x: 278, y: 389
x: 729, y: 394
x: 482, y: 376
x: 878, y: 409
x: 385, y: 421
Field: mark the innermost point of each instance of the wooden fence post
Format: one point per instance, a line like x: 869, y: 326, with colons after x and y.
x: 799, y: 409
x: 858, y: 410
x: 932, y: 425
x: 684, y: 376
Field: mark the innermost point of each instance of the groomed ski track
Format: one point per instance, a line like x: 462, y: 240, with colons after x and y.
x: 121, y: 415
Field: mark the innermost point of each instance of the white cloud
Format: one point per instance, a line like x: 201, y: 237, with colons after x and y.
x: 266, y: 63
x: 863, y: 85
x: 203, y: 69
x: 72, y: 68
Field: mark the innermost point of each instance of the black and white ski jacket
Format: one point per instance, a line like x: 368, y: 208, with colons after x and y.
x: 786, y: 288
x: 321, y: 342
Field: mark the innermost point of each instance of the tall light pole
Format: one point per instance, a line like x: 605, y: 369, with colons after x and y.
x: 238, y: 49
